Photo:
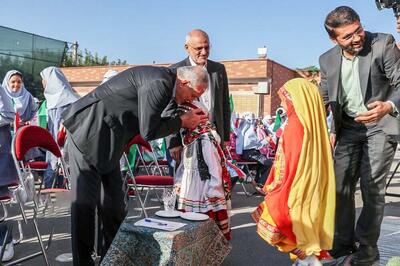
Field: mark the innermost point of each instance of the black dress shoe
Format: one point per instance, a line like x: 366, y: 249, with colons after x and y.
x: 342, y: 252
x: 365, y: 262
x: 361, y: 258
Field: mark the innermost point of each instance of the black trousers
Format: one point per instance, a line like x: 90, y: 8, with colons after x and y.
x: 87, y: 184
x: 362, y: 153
x: 264, y: 164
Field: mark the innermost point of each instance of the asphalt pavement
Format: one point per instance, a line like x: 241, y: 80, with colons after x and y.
x: 247, y: 247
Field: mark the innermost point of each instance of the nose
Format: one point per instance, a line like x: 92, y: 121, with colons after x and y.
x: 356, y: 37
x: 203, y: 51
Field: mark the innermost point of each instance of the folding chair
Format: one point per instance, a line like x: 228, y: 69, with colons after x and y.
x: 150, y: 181
x: 244, y: 165
x: 149, y: 158
x: 26, y: 138
x: 36, y: 166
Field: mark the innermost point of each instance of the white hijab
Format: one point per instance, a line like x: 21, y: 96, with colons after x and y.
x: 6, y: 106
x: 109, y: 74
x: 58, y: 91
x: 19, y: 100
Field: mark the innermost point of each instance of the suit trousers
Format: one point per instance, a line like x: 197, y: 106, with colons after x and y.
x: 364, y: 153
x: 87, y: 185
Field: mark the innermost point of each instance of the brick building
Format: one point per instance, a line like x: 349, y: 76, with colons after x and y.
x: 247, y: 79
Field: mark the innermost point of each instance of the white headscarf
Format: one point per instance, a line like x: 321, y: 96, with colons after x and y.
x: 109, y: 74
x: 265, y: 120
x: 58, y: 91
x: 19, y: 100
x: 6, y: 107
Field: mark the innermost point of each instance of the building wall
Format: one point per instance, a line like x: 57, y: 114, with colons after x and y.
x: 279, y: 74
x: 243, y: 77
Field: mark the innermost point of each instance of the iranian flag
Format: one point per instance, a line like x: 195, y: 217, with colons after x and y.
x: 277, y: 124
x: 233, y: 114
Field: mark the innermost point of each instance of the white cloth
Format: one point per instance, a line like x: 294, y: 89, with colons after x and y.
x: 7, y: 112
x: 195, y: 193
x: 58, y: 91
x: 108, y: 75
x: 20, y: 101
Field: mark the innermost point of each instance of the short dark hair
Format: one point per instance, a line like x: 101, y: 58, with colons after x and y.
x: 17, y: 74
x: 340, y: 16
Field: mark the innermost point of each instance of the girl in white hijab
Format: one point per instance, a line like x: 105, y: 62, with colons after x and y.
x: 59, y: 95
x: 57, y: 90
x: 14, y: 98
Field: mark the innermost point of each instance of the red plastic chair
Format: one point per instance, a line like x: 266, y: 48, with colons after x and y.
x: 26, y: 138
x: 149, y: 181
x: 61, y: 137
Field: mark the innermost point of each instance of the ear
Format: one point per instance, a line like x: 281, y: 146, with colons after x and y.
x: 184, y: 82
x: 186, y: 46
x: 334, y: 40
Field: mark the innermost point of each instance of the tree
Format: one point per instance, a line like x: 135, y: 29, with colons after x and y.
x: 311, y: 73
x: 86, y: 58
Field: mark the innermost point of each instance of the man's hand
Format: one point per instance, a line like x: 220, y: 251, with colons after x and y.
x: 193, y: 118
x: 376, y: 111
x: 176, y: 153
x: 332, y: 139
x: 398, y: 24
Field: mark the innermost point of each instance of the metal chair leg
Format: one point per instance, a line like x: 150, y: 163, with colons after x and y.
x: 5, y: 211
x: 42, y: 252
x: 20, y: 233
x: 4, y: 244
x: 390, y: 180
x: 143, y: 209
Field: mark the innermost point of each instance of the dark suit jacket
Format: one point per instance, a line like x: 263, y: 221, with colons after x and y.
x: 105, y: 120
x: 219, y: 97
x: 379, y: 72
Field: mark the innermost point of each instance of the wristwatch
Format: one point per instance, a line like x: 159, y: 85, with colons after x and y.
x: 394, y: 112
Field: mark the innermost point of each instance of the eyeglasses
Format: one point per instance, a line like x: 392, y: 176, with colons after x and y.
x: 358, y: 32
x: 200, y: 49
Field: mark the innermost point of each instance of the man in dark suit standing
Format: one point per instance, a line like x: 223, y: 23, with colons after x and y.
x: 215, y: 98
x: 99, y: 127
x: 360, y: 80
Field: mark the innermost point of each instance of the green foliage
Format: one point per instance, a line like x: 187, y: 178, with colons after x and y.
x: 86, y: 58
x: 312, y: 69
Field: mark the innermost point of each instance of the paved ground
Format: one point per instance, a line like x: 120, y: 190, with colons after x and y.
x: 248, y: 248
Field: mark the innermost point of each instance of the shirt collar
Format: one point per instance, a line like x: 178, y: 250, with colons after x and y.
x: 348, y: 59
x: 194, y: 64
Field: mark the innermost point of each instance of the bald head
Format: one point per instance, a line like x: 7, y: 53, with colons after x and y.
x: 197, y: 45
x: 195, y: 34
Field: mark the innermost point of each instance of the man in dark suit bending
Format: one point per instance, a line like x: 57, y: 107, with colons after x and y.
x: 99, y: 127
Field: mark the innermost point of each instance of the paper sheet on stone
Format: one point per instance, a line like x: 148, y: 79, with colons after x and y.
x: 160, y: 224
